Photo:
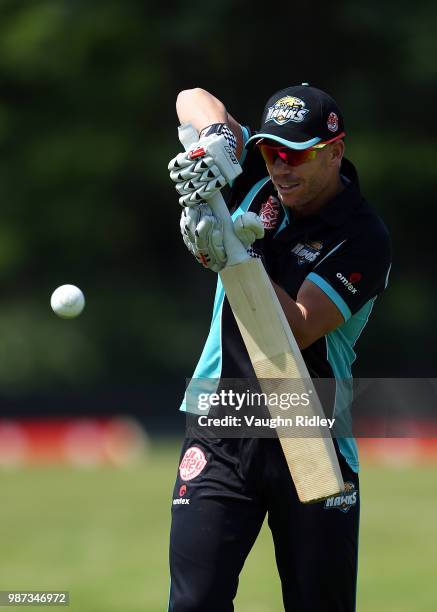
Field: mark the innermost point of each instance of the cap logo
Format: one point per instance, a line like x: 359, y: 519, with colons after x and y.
x: 287, y: 109
x: 332, y: 122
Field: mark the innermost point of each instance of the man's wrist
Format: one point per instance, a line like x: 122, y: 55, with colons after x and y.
x: 220, y: 128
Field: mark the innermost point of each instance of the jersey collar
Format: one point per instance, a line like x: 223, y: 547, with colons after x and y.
x: 347, y: 201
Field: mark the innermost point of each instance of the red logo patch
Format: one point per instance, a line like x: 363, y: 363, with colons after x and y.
x: 192, y: 464
x: 269, y: 213
x: 355, y: 277
x: 182, y: 490
x: 199, y: 152
x: 332, y: 122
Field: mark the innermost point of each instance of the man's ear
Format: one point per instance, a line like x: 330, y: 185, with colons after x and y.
x: 336, y: 152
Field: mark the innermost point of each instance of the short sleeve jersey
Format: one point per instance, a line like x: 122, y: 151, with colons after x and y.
x: 344, y: 249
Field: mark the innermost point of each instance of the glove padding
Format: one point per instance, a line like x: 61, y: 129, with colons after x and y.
x: 202, y: 233
x: 205, y: 168
x: 248, y: 227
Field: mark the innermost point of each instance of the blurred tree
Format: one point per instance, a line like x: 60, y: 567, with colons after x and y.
x: 87, y: 126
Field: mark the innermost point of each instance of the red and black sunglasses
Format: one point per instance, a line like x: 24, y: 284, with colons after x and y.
x: 292, y: 157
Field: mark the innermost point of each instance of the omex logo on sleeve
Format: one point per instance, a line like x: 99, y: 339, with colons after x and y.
x: 287, y: 109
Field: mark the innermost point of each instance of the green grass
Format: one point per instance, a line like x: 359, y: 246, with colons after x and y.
x: 103, y: 535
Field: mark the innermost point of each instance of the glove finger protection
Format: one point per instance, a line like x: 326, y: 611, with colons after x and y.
x: 180, y: 162
x: 209, y: 242
x: 204, y: 169
x: 200, y: 192
x: 248, y: 227
x: 202, y: 234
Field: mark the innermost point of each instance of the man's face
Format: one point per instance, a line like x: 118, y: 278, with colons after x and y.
x: 304, y: 186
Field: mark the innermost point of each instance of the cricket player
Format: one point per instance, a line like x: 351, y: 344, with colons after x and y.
x: 297, y: 205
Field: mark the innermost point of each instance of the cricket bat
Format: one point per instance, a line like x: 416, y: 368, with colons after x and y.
x: 275, y: 357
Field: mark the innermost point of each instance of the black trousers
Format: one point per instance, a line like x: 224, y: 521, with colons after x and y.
x: 223, y: 491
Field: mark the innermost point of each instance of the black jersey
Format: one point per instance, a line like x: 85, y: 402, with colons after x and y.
x: 344, y: 249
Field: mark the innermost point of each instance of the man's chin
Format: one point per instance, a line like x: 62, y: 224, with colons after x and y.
x: 290, y: 197
x: 289, y: 200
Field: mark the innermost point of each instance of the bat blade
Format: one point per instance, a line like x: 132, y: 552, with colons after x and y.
x: 280, y: 368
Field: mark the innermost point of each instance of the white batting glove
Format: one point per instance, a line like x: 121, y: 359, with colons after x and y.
x: 204, y: 169
x: 248, y: 227
x: 202, y: 233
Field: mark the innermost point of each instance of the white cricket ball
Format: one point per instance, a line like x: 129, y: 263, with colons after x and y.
x: 67, y: 301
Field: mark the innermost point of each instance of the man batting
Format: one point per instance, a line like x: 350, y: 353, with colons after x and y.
x: 297, y: 206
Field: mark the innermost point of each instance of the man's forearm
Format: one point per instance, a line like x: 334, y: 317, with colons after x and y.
x: 312, y: 315
x: 200, y: 108
x: 296, y: 316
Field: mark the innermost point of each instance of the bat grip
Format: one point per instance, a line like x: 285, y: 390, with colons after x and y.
x: 234, y: 248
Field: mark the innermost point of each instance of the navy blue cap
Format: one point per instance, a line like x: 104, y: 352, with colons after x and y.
x: 299, y: 117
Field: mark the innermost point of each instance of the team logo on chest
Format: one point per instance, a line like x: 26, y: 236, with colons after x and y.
x: 308, y: 252
x: 269, y: 213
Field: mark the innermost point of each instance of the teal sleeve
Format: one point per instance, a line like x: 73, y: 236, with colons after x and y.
x: 331, y: 293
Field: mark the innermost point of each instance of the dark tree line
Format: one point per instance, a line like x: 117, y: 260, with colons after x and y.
x: 87, y: 126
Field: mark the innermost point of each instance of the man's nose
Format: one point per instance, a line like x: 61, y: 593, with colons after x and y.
x: 280, y: 166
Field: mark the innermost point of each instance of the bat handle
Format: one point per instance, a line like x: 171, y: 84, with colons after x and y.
x: 235, y: 250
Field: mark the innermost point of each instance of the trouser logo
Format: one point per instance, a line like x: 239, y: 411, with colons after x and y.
x: 345, y: 501
x: 192, y: 463
x: 181, y: 501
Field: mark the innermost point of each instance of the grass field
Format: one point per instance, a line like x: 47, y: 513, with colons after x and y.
x: 103, y: 534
